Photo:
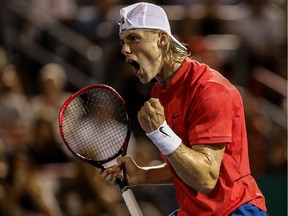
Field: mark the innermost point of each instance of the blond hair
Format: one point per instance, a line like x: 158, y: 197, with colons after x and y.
x: 172, y: 49
x: 176, y: 52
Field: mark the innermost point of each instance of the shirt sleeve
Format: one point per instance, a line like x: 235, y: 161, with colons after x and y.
x: 211, y: 115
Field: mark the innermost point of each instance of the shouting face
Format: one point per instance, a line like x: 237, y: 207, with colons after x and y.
x: 142, y: 50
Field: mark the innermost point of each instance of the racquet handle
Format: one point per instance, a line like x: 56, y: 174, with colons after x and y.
x: 131, y: 202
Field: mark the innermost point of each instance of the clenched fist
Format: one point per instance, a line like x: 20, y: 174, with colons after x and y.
x: 151, y: 116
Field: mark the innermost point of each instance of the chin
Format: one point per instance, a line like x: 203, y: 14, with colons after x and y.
x: 144, y: 81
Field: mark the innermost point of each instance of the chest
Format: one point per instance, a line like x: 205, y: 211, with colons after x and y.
x: 177, y: 107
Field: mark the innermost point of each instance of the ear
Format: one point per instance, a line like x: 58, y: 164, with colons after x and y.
x: 164, y: 37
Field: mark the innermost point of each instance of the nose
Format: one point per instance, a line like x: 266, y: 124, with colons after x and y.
x: 125, y: 49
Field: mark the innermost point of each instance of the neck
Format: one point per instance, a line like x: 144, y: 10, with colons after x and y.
x: 167, y: 73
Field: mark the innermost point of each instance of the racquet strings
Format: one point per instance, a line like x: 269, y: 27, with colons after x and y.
x: 95, y: 124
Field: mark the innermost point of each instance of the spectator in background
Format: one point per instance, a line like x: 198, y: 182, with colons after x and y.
x: 15, y: 110
x: 45, y: 148
x: 47, y: 104
x: 87, y: 194
x: 27, y: 191
x: 14, y: 95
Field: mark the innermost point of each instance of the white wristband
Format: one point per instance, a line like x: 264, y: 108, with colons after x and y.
x: 165, y: 139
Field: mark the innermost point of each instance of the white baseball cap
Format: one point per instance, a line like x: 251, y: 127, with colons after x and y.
x: 145, y: 15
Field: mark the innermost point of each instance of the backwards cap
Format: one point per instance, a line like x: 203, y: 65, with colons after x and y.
x: 145, y: 15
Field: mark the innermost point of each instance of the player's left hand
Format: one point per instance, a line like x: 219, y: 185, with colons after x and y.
x: 151, y: 116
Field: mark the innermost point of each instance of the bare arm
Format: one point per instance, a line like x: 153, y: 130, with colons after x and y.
x: 137, y: 175
x: 199, y: 166
x: 157, y: 175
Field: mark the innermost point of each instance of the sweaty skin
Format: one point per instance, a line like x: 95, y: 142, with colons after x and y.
x: 199, y: 165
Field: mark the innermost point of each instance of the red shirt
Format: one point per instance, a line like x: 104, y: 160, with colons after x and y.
x: 202, y: 107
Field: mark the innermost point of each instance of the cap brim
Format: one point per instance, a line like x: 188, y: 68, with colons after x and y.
x: 178, y: 42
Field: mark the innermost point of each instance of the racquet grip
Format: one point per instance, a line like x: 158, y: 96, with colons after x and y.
x: 131, y: 202
x: 122, y: 183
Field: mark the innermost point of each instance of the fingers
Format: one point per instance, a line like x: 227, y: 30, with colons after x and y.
x: 130, y: 170
x: 109, y: 175
x: 151, y: 115
x: 152, y: 105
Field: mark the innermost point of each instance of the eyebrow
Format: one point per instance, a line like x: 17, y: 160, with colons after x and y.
x: 132, y: 34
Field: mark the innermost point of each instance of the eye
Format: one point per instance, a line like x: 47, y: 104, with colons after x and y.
x: 121, y: 43
x: 133, y: 38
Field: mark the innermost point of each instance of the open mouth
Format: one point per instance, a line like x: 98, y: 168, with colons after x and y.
x: 134, y: 64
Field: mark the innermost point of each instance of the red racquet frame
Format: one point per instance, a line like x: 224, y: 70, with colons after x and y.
x: 122, y: 151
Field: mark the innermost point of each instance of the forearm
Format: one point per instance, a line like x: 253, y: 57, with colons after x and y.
x: 195, y: 167
x: 156, y: 175
x: 137, y: 175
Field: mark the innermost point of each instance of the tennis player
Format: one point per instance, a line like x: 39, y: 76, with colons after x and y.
x: 196, y: 119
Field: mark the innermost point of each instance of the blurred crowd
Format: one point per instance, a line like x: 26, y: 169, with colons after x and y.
x: 59, y: 41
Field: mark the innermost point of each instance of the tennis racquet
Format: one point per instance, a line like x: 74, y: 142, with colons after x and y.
x: 95, y: 127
